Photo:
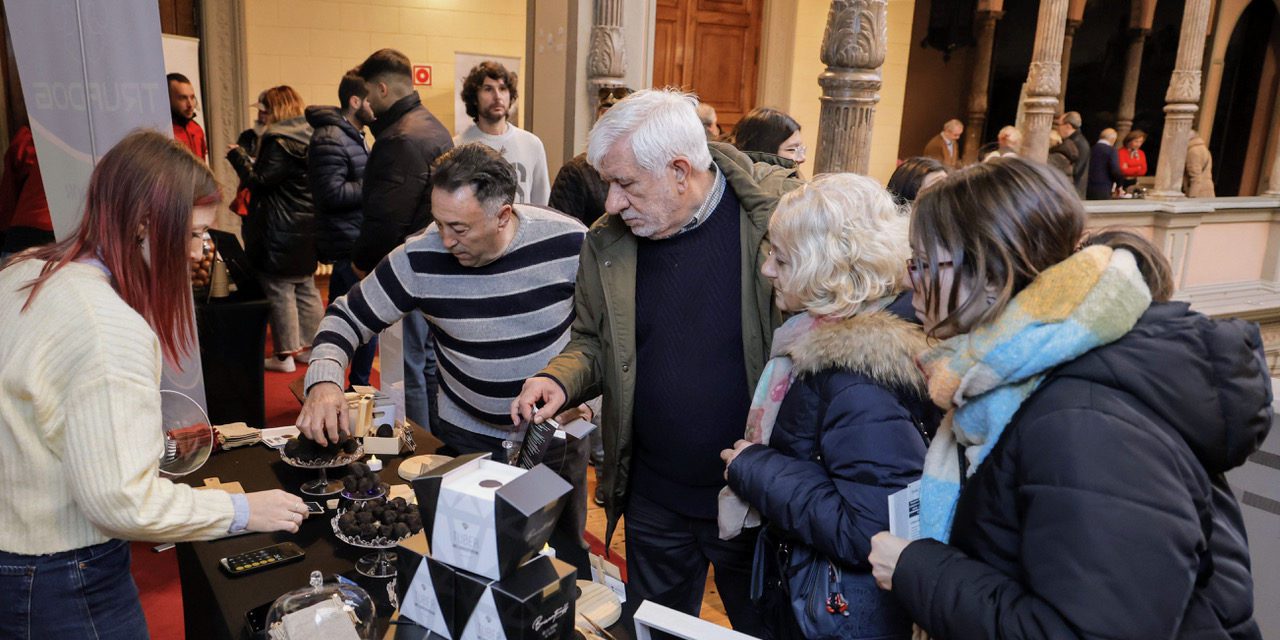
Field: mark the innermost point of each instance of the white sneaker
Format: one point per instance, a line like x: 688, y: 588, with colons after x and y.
x: 280, y: 366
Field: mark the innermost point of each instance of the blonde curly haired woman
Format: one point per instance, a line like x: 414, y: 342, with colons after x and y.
x: 838, y: 420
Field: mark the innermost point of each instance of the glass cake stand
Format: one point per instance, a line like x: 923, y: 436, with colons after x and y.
x: 323, y: 486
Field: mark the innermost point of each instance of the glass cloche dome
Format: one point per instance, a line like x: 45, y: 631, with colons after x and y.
x: 322, y: 611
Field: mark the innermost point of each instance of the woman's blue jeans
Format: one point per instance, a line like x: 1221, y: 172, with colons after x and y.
x: 84, y: 593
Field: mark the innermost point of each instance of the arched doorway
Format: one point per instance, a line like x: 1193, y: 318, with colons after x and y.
x: 1245, y: 101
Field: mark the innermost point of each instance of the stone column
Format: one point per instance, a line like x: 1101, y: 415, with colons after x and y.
x: 1182, y: 100
x: 1129, y: 90
x: 853, y: 48
x: 1068, y: 38
x: 223, y: 78
x: 979, y: 87
x: 1043, y: 75
x: 607, y: 58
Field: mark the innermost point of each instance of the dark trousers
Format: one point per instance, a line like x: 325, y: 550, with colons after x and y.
x: 667, y: 558
x: 85, y: 593
x: 340, y: 282
x: 420, y: 382
x: 568, y: 459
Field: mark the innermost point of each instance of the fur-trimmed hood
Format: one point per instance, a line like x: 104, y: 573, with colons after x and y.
x: 879, y: 345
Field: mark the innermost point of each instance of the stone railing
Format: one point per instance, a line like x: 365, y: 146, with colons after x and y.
x: 1225, y: 253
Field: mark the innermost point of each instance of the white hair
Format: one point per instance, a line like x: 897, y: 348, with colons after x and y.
x: 661, y: 125
x: 847, y: 242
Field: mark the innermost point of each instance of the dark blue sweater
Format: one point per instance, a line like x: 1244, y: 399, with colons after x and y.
x: 691, y: 389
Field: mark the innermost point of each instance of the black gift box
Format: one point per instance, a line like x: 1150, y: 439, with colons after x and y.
x: 534, y: 603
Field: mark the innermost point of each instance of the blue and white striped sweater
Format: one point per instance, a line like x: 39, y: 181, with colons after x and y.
x: 493, y: 326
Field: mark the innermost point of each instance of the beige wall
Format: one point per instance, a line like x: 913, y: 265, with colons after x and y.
x: 800, y: 61
x: 309, y: 44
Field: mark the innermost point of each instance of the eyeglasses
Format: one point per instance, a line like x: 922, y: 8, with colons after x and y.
x: 916, y: 265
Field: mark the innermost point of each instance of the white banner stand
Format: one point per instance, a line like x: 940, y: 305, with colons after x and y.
x: 651, y: 616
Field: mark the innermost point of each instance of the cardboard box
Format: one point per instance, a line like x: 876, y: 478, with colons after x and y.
x: 391, y: 446
x: 424, y: 587
x: 487, y: 517
x: 536, y: 602
x: 368, y: 409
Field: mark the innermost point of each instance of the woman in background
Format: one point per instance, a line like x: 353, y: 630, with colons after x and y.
x: 280, y: 230
x: 914, y: 175
x: 771, y: 136
x: 84, y: 325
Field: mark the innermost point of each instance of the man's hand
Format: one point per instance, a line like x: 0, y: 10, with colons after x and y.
x: 324, y: 413
x: 537, y: 390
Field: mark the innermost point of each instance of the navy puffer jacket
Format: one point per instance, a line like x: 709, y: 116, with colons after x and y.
x: 849, y: 434
x: 335, y: 168
x: 1103, y: 511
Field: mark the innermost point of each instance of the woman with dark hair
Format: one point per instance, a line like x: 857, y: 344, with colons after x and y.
x: 914, y: 175
x: 1076, y: 488
x: 84, y: 325
x: 280, y: 230
x: 769, y: 135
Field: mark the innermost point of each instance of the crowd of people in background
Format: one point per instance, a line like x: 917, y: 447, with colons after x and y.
x: 769, y: 357
x: 1099, y: 172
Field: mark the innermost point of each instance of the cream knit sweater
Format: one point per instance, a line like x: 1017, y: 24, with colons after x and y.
x: 80, y: 438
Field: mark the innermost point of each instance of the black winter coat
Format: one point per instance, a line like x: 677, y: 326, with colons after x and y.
x: 1080, y: 166
x: 279, y: 232
x: 857, y: 385
x: 335, y: 168
x: 579, y: 191
x: 1103, y: 511
x: 397, y: 193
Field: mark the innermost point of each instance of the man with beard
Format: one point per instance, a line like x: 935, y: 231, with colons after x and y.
x: 397, y: 199
x: 335, y: 170
x: 488, y: 92
x: 182, y: 107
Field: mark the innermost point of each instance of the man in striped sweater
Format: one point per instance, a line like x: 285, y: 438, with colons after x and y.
x: 495, y: 281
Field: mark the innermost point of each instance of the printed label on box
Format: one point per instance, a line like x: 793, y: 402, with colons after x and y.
x: 421, y: 604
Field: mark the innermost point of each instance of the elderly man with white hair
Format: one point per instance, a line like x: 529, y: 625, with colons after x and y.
x: 673, y: 327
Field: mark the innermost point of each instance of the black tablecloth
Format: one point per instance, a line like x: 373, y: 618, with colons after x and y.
x: 215, y: 604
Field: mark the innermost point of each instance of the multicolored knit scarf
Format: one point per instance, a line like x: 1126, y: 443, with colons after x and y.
x: 982, y: 377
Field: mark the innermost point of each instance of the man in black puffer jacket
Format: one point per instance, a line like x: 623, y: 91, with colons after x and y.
x: 335, y: 168
x: 1187, y: 398
x: 397, y: 200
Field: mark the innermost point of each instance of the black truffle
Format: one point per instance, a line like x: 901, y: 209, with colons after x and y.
x: 364, y: 517
x: 389, y: 516
x: 399, y: 503
x: 386, y: 531
x: 385, y: 431
x: 350, y: 445
x: 400, y: 530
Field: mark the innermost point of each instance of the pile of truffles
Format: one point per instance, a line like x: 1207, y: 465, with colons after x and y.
x: 306, y: 450
x: 202, y: 268
x: 362, y: 482
x: 380, y: 521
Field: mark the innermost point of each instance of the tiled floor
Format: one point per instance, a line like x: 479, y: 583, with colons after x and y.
x: 712, y: 608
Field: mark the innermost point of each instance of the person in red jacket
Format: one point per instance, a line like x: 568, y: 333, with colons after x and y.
x: 182, y: 106
x: 1133, y: 161
x: 24, y: 211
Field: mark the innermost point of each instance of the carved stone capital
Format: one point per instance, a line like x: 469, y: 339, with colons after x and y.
x: 1044, y: 78
x: 1184, y: 86
x: 856, y: 35
x: 607, y: 56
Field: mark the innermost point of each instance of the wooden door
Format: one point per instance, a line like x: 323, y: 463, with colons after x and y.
x: 712, y: 48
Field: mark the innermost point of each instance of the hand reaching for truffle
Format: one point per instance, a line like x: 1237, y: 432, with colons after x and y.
x: 324, y: 413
